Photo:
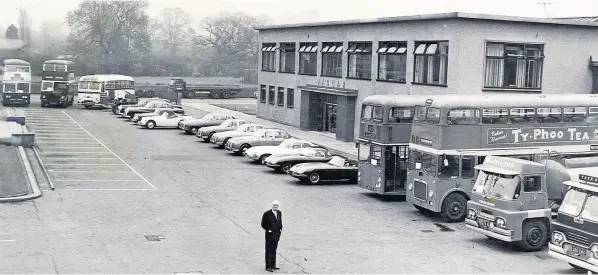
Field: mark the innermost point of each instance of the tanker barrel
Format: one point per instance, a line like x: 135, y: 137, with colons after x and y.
x: 559, y: 172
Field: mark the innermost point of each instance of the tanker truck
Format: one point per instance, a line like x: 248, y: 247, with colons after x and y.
x: 515, y: 200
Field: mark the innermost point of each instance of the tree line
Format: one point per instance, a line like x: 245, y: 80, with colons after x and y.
x: 119, y: 37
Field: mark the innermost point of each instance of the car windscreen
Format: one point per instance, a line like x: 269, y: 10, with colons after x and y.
x: 259, y: 133
x: 287, y: 143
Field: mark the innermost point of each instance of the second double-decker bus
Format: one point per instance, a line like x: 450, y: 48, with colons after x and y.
x: 101, y: 89
x: 384, y: 134
x: 58, y: 83
x: 16, y: 82
x: 452, y: 134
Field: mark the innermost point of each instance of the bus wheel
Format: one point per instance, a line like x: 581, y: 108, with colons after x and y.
x: 151, y: 124
x: 453, y: 208
x: 534, y: 235
x: 286, y: 167
x: 226, y: 95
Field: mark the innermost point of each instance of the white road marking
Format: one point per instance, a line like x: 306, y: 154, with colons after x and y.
x: 8, y: 240
x: 75, y: 158
x: 87, y: 171
x: 137, y: 173
x: 99, y: 189
x: 67, y: 152
x: 86, y: 164
x: 98, y: 180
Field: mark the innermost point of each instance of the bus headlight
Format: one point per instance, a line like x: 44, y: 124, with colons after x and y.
x: 500, y: 223
x: 558, y: 238
x: 471, y: 214
x: 594, y: 249
x: 431, y: 194
x: 410, y: 186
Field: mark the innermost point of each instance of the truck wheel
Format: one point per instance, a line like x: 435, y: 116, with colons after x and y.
x: 189, y: 94
x: 534, y: 234
x: 454, y: 208
x: 314, y: 178
x: 286, y: 167
x: 215, y: 95
x: 226, y: 95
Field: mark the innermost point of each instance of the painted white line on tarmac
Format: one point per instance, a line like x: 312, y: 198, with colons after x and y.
x: 75, y: 158
x: 86, y: 164
x: 64, y: 138
x: 5, y: 241
x: 90, y: 171
x: 67, y: 147
x: 99, y: 189
x: 144, y: 179
x: 98, y: 180
x: 67, y: 152
x: 66, y: 142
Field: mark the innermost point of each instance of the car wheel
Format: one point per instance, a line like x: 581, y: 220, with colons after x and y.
x: 194, y: 130
x: 534, y: 237
x: 151, y: 124
x: 263, y: 158
x: 286, y: 167
x: 314, y: 178
x: 224, y: 143
x: 454, y: 208
x: 209, y: 137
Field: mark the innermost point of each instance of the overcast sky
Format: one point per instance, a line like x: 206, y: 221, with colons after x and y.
x: 296, y: 11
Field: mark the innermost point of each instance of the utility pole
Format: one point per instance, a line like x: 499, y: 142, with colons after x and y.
x: 544, y: 5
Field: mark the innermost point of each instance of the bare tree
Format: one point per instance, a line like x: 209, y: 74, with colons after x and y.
x: 173, y: 35
x: 24, y: 26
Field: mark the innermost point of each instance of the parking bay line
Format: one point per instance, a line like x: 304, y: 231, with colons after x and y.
x: 134, y: 171
x: 86, y: 164
x: 97, y: 180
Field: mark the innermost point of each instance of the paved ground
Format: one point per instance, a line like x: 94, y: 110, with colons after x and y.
x: 207, y: 207
x: 13, y: 178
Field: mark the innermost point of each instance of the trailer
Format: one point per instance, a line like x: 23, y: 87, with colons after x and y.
x: 215, y: 91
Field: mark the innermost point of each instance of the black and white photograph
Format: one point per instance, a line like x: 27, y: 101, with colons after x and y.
x: 394, y: 136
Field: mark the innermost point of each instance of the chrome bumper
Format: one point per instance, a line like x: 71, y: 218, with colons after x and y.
x: 559, y: 253
x: 497, y: 233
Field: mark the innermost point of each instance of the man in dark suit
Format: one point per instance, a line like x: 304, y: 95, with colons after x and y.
x: 272, y: 225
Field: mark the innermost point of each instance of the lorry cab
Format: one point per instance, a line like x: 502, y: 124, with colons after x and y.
x: 575, y: 229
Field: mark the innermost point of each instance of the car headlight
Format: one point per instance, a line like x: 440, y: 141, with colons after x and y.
x: 410, y: 186
x: 558, y: 238
x: 594, y: 249
x: 62, y: 97
x: 431, y: 193
x: 43, y: 96
x: 471, y: 214
x: 500, y: 223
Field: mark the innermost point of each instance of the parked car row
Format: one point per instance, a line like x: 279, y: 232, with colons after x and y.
x: 272, y: 147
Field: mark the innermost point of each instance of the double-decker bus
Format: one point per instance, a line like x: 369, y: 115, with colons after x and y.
x: 384, y: 134
x: 452, y: 134
x: 58, y: 83
x: 101, y: 89
x: 16, y: 82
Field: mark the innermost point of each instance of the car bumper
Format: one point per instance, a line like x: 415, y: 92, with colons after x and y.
x: 216, y: 142
x: 272, y: 165
x: 204, y: 136
x: 231, y: 148
x: 559, y: 253
x: 298, y: 175
x: 254, y: 157
x: 496, y: 233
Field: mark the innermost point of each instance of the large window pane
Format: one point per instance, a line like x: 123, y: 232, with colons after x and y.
x: 332, y: 64
x: 513, y: 65
x: 448, y: 167
x: 287, y: 57
x: 392, y: 67
x: 463, y: 116
x: 401, y: 115
x: 308, y: 63
x: 431, y: 64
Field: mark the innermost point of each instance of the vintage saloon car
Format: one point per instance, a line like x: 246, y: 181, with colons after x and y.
x: 168, y: 119
x: 120, y: 109
x: 157, y: 112
x: 191, y: 126
x: 262, y: 137
x: 286, y: 147
x: 150, y: 107
x: 284, y: 162
x: 230, y: 124
x: 337, y: 169
x: 222, y: 138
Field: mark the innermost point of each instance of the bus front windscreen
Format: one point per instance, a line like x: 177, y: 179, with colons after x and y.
x: 426, y: 161
x: 496, y: 185
x: 9, y: 88
x: 47, y: 85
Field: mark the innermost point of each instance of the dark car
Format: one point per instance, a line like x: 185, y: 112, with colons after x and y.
x: 337, y: 169
x: 283, y: 163
x: 122, y: 101
x: 151, y: 107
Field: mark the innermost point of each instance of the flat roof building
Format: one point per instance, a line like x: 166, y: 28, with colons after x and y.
x: 314, y: 76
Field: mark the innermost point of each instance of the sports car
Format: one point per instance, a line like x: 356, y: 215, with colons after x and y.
x: 120, y: 110
x: 191, y: 126
x: 157, y: 112
x: 222, y: 138
x: 150, y: 107
x: 288, y: 146
x: 337, y: 169
x: 168, y: 119
x: 230, y: 124
x: 284, y: 162
x: 261, y: 137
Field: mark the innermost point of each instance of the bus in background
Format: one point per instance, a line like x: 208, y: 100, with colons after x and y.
x: 384, y: 134
x: 58, y: 83
x: 16, y: 82
x: 101, y: 89
x: 452, y: 134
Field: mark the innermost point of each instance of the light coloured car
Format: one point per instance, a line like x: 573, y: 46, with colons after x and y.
x: 284, y: 162
x: 166, y: 120
x: 157, y: 112
x: 206, y: 133
x: 222, y: 138
x: 262, y: 137
x: 150, y: 107
x: 191, y: 126
x: 288, y: 146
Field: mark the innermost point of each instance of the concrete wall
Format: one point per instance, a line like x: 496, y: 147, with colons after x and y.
x: 565, y: 70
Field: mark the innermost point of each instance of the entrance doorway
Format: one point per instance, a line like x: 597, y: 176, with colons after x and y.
x: 329, y: 117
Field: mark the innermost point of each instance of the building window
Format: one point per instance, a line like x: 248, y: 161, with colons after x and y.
x: 431, y: 61
x: 513, y: 66
x: 271, y: 94
x: 280, y: 99
x: 263, y: 93
x: 392, y: 61
x: 287, y: 57
x: 268, y: 56
x: 332, y: 59
x: 308, y: 58
x: 290, y: 98
x: 360, y: 60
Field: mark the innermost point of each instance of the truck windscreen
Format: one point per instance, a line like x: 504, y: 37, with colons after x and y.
x: 496, y: 185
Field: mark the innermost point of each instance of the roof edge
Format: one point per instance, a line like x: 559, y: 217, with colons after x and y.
x: 434, y: 16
